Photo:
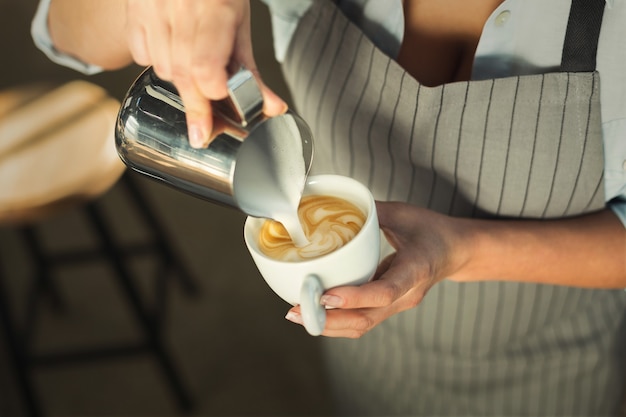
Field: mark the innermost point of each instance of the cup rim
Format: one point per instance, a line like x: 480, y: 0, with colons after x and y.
x: 253, y: 246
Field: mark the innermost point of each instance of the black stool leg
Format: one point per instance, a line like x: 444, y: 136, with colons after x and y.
x: 43, y: 280
x: 148, y: 326
x: 165, y: 250
x: 18, y: 355
x: 43, y: 284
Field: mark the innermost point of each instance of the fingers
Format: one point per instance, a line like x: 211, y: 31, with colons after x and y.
x: 192, y: 43
x: 397, y: 286
x: 273, y: 105
x: 378, y: 302
x: 351, y: 324
x: 197, y: 107
x: 214, y: 47
x: 136, y: 34
x: 212, y: 51
x: 398, y: 281
x: 138, y: 45
x: 202, y: 50
x: 342, y: 323
x: 198, y: 113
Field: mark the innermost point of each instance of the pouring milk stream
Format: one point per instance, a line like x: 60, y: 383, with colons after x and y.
x: 272, y: 174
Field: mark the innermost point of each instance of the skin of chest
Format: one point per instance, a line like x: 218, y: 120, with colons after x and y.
x: 441, y: 36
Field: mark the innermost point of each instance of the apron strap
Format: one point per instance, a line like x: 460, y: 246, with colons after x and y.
x: 581, y: 38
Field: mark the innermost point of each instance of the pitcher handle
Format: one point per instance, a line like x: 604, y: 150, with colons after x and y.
x: 245, y: 101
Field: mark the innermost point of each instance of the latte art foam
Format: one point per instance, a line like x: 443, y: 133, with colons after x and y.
x: 328, y: 223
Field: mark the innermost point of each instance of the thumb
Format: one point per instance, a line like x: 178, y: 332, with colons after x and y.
x: 387, y: 221
x: 273, y: 105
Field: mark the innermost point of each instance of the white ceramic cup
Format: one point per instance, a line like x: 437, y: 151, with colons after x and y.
x: 304, y: 282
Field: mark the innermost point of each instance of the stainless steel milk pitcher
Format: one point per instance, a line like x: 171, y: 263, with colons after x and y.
x: 247, y: 166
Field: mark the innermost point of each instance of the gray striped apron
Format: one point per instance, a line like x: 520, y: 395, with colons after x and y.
x: 523, y: 147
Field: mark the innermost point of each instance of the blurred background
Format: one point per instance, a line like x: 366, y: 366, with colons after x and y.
x: 234, y: 351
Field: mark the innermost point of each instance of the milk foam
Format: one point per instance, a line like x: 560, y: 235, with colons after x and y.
x: 328, y: 223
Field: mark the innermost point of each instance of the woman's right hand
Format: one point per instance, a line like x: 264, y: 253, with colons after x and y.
x: 195, y: 44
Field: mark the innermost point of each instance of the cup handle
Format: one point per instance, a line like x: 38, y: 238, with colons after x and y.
x: 313, y: 312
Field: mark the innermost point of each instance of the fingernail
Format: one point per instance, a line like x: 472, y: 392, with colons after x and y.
x: 294, y: 317
x: 331, y: 301
x: 197, y: 138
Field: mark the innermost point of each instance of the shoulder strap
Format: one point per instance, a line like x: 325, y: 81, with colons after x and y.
x: 581, y: 38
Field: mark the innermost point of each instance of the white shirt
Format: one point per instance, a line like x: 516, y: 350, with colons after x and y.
x: 520, y: 37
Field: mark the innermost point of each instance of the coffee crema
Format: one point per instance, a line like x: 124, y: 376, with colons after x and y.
x: 328, y: 223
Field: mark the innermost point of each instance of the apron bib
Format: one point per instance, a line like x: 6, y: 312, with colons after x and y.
x: 522, y: 147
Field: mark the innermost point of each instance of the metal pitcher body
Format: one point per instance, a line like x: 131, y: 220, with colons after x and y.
x: 151, y: 138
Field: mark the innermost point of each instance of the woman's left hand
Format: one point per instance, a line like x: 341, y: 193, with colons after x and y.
x: 429, y: 247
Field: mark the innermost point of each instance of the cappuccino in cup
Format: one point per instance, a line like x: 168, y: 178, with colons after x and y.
x: 343, y: 252
x: 328, y: 222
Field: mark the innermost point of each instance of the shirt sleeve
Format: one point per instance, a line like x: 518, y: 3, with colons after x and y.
x: 619, y: 208
x: 614, y: 133
x: 41, y: 38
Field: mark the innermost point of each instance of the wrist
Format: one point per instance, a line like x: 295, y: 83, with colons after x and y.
x: 481, y: 250
x: 466, y: 251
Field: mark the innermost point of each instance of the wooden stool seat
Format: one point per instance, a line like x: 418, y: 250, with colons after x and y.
x: 56, y: 149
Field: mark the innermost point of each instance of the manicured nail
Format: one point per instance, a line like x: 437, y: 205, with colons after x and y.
x: 197, y: 138
x: 331, y: 301
x: 294, y: 317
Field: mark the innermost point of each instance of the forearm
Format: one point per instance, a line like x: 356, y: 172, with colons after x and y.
x: 92, y: 31
x: 586, y: 251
